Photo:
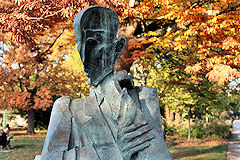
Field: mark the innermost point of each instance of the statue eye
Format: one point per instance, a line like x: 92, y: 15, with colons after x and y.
x: 91, y: 42
x: 99, y: 37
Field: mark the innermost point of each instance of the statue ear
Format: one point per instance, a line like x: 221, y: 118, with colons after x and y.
x: 120, y: 44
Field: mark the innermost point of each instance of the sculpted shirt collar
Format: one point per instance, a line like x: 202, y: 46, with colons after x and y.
x: 110, y: 91
x: 110, y: 82
x: 99, y: 96
x: 99, y: 90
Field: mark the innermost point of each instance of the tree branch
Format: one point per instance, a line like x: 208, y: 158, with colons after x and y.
x: 199, y: 3
x: 52, y: 43
x: 20, y: 84
x: 39, y: 18
x: 230, y: 8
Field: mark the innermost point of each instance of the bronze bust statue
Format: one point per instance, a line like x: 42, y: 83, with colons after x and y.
x: 117, y: 120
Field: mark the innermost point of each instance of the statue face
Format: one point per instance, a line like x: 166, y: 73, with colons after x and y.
x: 95, y: 29
x: 99, y: 55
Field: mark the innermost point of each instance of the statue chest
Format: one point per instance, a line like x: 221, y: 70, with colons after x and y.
x: 91, y: 126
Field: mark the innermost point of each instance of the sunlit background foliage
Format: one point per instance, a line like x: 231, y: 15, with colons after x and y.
x: 187, y: 49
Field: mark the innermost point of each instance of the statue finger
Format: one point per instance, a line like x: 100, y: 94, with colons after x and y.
x: 133, y: 127
x: 137, y: 142
x: 125, y: 124
x: 129, y: 136
x: 128, y: 153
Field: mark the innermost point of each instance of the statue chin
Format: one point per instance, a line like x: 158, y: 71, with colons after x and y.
x: 96, y: 79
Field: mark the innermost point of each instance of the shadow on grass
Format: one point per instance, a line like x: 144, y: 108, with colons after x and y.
x: 20, y: 134
x: 184, y: 152
x: 18, y: 146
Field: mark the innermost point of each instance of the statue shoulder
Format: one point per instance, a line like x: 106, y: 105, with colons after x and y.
x: 147, y: 93
x: 59, y: 129
x: 62, y: 105
x: 63, y: 99
x: 61, y: 111
x: 86, y: 106
x: 148, y: 98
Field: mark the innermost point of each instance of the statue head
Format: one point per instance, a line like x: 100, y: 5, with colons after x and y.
x: 96, y: 29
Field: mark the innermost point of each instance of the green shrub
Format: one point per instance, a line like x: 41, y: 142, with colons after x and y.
x: 219, y: 130
x: 198, y: 131
x: 182, y: 131
x: 170, y: 130
x: 213, y: 130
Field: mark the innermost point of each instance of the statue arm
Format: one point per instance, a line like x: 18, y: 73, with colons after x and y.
x: 149, y: 101
x: 57, y: 139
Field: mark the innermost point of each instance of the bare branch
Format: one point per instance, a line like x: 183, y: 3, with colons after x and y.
x: 52, y: 44
x: 44, y: 13
x: 230, y: 8
x: 20, y: 84
x: 39, y: 18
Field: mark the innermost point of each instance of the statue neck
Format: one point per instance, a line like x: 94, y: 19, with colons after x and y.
x: 102, y: 86
x: 111, y: 83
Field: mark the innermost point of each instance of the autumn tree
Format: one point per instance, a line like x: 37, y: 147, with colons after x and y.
x: 37, y: 44
x: 34, y: 34
x: 201, y: 34
x: 201, y: 43
x: 30, y: 85
x: 187, y: 43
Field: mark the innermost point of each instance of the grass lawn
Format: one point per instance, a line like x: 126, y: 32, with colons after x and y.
x: 26, y: 147
x: 200, y: 152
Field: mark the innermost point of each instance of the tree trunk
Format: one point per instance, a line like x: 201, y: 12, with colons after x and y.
x: 30, y: 128
x: 207, y: 119
x: 189, y: 124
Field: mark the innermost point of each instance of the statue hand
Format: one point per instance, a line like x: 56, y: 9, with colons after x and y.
x: 133, y: 138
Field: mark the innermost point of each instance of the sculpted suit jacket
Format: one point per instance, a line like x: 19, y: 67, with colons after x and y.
x: 82, y: 129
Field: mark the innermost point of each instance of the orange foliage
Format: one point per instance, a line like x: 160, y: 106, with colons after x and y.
x: 204, y: 35
x: 208, y: 31
x: 221, y: 73
x: 36, y: 43
x: 193, y: 69
x: 25, y: 19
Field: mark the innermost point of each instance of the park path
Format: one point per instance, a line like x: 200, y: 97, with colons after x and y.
x: 234, y: 144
